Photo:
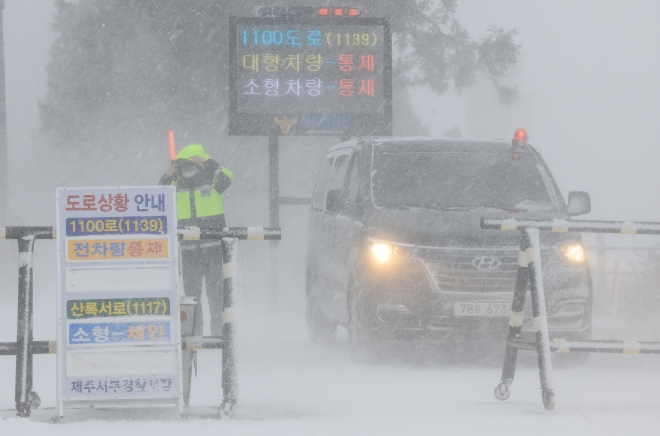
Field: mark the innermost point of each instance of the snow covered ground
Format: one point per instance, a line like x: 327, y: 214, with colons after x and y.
x: 288, y: 386
x: 291, y: 387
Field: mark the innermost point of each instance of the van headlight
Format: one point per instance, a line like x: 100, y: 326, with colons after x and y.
x: 572, y: 254
x: 384, y: 253
x: 381, y: 252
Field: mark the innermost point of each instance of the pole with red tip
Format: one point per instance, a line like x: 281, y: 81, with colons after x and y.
x: 172, y: 148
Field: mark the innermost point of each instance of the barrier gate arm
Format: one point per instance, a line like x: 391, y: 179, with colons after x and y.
x: 229, y: 236
x: 25, y: 347
x: 530, y: 271
x: 563, y: 226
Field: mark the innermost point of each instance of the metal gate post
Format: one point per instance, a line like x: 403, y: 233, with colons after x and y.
x: 229, y: 382
x: 24, y: 394
x: 540, y: 318
x: 274, y: 216
x: 188, y: 305
x: 515, y: 321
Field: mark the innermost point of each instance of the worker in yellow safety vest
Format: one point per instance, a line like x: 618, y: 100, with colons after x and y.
x: 200, y: 182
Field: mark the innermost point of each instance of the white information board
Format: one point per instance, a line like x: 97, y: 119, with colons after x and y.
x: 119, y: 328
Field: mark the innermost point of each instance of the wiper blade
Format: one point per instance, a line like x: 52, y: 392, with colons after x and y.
x: 444, y: 208
x: 448, y: 208
x: 498, y: 208
x: 397, y: 206
x: 470, y: 208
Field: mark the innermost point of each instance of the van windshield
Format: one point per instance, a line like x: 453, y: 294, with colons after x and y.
x: 459, y: 180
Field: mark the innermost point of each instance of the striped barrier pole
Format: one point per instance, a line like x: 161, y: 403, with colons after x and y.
x: 188, y: 233
x: 540, y: 317
x: 502, y: 391
x: 563, y: 226
x: 25, y: 397
x: 241, y: 233
x: 229, y: 381
x: 195, y: 343
x: 22, y: 232
x: 36, y: 347
x: 593, y: 346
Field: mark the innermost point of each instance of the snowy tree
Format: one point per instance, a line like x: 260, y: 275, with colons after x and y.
x: 138, y: 67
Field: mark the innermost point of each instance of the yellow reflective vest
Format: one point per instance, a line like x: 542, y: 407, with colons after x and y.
x: 202, y: 202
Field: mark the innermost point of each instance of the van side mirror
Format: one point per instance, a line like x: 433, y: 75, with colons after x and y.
x: 579, y: 203
x: 335, y: 200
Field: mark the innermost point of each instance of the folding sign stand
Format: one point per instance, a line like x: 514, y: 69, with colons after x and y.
x: 530, y: 271
x: 119, y: 329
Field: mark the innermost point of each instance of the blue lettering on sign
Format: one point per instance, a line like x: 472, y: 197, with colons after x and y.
x: 111, y: 333
x: 326, y: 121
x: 123, y: 385
x: 131, y: 225
x: 146, y: 202
x: 278, y: 36
x: 293, y: 37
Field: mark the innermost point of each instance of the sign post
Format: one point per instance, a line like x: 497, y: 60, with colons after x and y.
x: 4, y: 170
x: 119, y: 331
x: 308, y: 75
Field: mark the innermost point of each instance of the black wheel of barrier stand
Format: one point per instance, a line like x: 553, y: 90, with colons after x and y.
x: 33, y: 399
x: 227, y: 411
x: 548, y: 399
x: 319, y: 327
x: 502, y: 391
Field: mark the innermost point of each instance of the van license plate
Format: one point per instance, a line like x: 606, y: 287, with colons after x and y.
x: 481, y: 308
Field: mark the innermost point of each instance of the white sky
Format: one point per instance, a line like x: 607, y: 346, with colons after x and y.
x: 589, y: 82
x: 590, y: 96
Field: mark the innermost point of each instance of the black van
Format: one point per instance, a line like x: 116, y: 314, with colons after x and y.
x: 396, y: 250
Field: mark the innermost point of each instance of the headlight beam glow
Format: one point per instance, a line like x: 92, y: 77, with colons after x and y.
x: 382, y: 252
x: 574, y: 253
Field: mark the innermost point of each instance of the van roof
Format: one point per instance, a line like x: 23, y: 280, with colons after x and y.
x: 429, y: 144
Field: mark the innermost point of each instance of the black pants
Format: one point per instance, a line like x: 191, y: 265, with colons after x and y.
x: 202, y: 263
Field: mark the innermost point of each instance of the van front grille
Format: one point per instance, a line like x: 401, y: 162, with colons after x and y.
x: 478, y: 270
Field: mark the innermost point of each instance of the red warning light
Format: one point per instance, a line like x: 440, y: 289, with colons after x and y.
x: 338, y: 12
x: 353, y: 12
x: 324, y: 11
x: 519, y: 138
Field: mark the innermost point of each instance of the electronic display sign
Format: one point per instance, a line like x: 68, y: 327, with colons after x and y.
x: 310, y: 76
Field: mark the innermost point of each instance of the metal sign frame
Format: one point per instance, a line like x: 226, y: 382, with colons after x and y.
x: 289, y: 123
x: 127, y: 257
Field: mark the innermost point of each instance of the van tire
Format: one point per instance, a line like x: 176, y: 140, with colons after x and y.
x: 319, y: 327
x: 360, y: 336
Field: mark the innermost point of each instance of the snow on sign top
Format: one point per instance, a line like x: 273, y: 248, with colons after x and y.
x: 119, y: 333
